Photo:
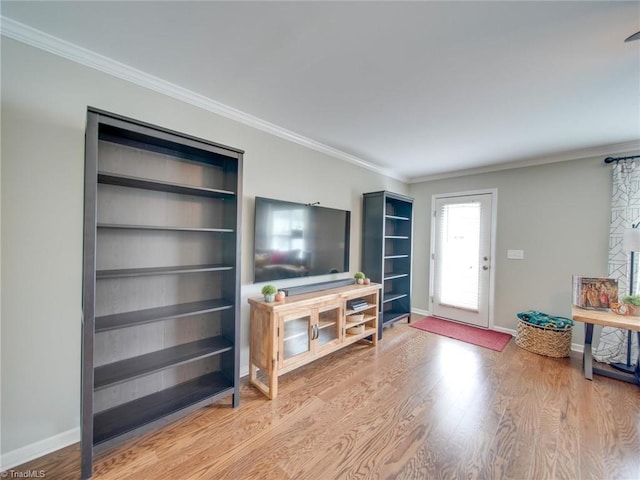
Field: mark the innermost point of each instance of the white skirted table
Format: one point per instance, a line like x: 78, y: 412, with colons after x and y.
x: 606, y: 319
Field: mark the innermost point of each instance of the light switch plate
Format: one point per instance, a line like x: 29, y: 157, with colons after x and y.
x: 515, y: 254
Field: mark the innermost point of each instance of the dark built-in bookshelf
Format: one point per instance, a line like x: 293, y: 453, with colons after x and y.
x: 161, y: 278
x: 387, y: 252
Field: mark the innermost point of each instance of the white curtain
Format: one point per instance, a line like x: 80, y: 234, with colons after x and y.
x: 625, y: 211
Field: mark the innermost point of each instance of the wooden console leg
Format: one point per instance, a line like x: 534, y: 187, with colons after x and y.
x: 270, y: 390
x: 273, y: 384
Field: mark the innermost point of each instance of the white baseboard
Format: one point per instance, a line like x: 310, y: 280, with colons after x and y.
x: 575, y: 347
x: 38, y: 449
x: 510, y: 331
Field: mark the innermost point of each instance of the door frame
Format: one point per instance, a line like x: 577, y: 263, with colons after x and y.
x: 494, y: 220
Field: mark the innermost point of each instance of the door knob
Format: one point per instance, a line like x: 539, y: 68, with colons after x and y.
x: 484, y: 267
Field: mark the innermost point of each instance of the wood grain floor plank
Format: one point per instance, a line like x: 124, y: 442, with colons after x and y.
x: 484, y: 423
x: 365, y: 416
x: 419, y: 406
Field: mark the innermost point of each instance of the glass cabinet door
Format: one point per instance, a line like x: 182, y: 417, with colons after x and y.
x: 296, y: 336
x: 328, y: 327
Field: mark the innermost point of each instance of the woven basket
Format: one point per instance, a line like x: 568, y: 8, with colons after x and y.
x: 548, y: 341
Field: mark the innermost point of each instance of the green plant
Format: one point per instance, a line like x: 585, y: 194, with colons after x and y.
x: 359, y: 276
x: 269, y: 290
x: 631, y: 300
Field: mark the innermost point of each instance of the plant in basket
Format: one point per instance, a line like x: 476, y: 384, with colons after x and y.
x: 631, y: 300
x: 630, y: 305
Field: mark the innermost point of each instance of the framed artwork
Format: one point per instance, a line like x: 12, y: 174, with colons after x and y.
x: 594, y: 293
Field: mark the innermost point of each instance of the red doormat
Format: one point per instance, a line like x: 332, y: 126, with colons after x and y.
x: 466, y: 333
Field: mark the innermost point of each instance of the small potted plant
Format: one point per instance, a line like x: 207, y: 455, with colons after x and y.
x: 631, y: 300
x: 280, y: 296
x: 269, y: 292
x: 359, y: 276
x: 634, y: 301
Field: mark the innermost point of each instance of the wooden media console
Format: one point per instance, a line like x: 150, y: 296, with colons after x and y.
x: 302, y: 328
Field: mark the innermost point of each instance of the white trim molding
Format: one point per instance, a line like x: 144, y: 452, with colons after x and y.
x: 575, y: 347
x: 43, y: 41
x: 602, y: 150
x: 419, y: 311
x: 37, y: 449
x: 510, y: 331
x: 49, y: 43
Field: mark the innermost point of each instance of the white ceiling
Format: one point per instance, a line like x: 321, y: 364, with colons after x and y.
x: 415, y: 88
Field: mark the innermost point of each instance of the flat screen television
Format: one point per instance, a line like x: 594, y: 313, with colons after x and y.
x: 293, y: 240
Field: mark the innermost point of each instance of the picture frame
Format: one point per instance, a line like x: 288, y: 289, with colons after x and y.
x: 594, y: 293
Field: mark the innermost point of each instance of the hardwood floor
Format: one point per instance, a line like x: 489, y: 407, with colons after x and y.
x: 420, y: 406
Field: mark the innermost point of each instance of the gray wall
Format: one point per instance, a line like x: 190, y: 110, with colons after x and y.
x: 44, y: 102
x: 557, y: 213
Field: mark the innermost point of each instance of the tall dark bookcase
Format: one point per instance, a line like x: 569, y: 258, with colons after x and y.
x: 387, y: 239
x: 161, y: 278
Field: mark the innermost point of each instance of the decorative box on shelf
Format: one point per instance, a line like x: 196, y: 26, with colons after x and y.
x: 594, y: 293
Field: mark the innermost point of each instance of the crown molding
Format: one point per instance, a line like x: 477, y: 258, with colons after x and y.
x: 43, y: 41
x: 602, y: 150
x: 51, y: 44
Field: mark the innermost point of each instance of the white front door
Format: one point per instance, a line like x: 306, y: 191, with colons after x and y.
x: 461, y: 252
